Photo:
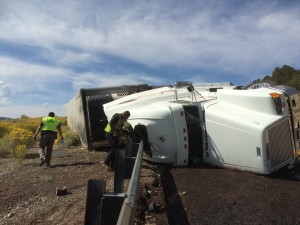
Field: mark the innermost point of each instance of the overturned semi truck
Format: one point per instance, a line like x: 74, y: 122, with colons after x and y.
x: 85, y: 113
x: 253, y: 129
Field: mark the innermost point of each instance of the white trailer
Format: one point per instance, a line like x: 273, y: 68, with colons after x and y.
x: 86, y: 116
x: 217, y: 124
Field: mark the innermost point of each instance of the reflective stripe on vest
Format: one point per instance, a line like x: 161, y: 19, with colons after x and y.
x: 108, y: 128
x: 50, y: 123
x: 119, y: 125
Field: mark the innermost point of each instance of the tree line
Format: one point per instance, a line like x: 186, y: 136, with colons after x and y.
x: 286, y: 75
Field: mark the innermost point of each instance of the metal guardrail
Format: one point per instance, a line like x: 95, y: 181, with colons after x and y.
x: 127, y: 213
x: 116, y: 208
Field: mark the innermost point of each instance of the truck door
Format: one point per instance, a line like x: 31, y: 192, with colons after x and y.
x: 194, y: 135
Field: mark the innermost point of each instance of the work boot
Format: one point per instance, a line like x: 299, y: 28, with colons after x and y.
x: 109, y: 168
x: 42, y: 161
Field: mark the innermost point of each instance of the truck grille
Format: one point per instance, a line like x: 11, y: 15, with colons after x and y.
x: 280, y: 143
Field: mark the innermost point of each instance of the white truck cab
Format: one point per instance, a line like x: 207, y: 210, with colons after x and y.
x: 216, y: 124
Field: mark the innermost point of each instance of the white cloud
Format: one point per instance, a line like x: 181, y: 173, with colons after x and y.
x: 42, y: 83
x: 70, y: 57
x: 4, y: 89
x: 157, y: 34
x: 24, y: 76
x: 62, y: 46
x: 5, y: 93
x: 92, y: 80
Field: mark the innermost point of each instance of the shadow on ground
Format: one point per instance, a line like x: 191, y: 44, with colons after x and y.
x: 175, y: 211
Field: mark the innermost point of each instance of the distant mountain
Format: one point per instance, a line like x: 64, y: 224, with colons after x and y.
x: 4, y: 118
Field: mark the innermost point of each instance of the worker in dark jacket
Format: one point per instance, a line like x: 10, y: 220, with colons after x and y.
x: 113, y: 130
x: 49, y: 128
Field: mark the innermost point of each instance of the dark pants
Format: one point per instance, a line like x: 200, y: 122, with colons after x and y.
x: 114, y: 144
x: 46, y: 146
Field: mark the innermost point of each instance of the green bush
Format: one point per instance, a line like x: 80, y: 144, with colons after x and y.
x: 5, y: 128
x: 20, y: 153
x: 5, y: 146
x: 71, y: 138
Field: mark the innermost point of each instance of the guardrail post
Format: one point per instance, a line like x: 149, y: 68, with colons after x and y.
x: 119, y: 171
x: 95, y: 190
x: 131, y: 150
x: 111, y: 204
x: 128, y: 147
x: 115, y: 208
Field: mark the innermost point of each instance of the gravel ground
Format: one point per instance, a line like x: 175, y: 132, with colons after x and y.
x: 28, y: 191
x: 167, y: 195
x: 215, y: 196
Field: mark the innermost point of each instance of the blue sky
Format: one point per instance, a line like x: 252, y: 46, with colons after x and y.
x: 49, y: 49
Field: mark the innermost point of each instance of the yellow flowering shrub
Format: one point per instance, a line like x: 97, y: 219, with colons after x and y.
x: 21, y: 136
x: 15, y: 132
x: 29, y: 124
x: 20, y: 152
x: 5, y: 127
x: 20, y: 140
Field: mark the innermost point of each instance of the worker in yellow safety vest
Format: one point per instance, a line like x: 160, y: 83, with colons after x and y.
x: 113, y: 130
x: 49, y: 127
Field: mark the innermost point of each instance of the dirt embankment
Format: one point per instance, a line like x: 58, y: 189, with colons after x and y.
x: 28, y: 192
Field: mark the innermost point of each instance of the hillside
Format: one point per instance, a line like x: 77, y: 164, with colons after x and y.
x: 286, y: 75
x: 4, y: 118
